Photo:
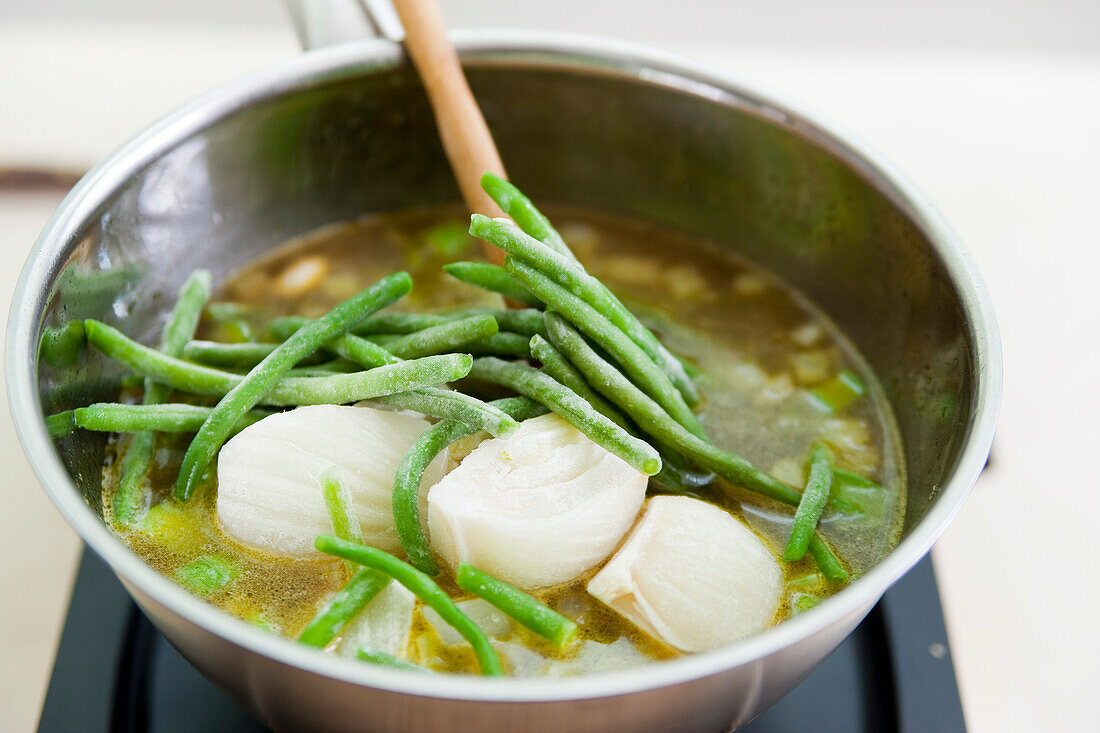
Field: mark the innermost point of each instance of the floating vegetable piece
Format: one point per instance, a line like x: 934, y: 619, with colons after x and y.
x: 384, y: 625
x: 61, y: 347
x: 269, y: 475
x: 839, y: 392
x: 364, y: 585
x: 206, y: 574
x: 692, y: 575
x: 536, y: 509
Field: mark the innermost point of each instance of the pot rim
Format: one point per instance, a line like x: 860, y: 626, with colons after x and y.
x: 593, y: 55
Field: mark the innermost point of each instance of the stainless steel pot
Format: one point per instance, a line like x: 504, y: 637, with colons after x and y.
x: 346, y: 130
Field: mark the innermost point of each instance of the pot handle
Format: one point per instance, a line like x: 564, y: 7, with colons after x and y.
x: 321, y: 23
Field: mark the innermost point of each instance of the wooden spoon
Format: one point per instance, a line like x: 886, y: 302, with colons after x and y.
x: 466, y: 138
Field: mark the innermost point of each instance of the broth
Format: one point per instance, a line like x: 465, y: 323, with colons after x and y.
x: 760, y: 347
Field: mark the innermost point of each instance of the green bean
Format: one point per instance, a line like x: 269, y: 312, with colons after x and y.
x: 827, y: 561
x: 424, y: 588
x: 505, y: 343
x: 441, y: 339
x: 410, y: 474
x: 388, y: 660
x: 810, y: 505
x: 222, y: 312
x: 527, y: 321
x: 61, y: 347
x: 237, y: 355
x: 451, y: 405
x: 114, y: 417
x: 637, y: 364
x: 513, y: 203
x: 517, y: 604
x: 490, y: 277
x: 498, y: 344
x: 572, y: 408
x: 178, y: 330
x: 231, y: 356
x: 324, y: 369
x: 335, y: 389
x: 362, y: 351
x: 60, y: 423
x: 267, y: 373
x: 570, y: 274
x: 657, y: 423
x: 854, y: 480
x: 338, y: 501
x: 378, y: 351
x: 364, y: 585
x: 558, y: 367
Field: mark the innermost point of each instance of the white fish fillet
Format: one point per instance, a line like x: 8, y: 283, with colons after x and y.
x: 692, y: 575
x: 269, y: 475
x: 537, y: 508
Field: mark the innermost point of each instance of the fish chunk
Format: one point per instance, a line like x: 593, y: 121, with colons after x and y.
x: 537, y: 508
x: 269, y: 475
x: 692, y: 575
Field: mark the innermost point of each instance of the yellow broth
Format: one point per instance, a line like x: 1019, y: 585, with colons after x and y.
x: 759, y: 345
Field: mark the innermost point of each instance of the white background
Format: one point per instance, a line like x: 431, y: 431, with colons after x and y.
x: 993, y: 108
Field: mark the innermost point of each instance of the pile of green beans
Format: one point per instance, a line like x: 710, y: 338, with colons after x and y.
x: 423, y: 588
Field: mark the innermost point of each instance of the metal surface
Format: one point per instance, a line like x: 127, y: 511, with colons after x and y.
x: 344, y: 131
x: 115, y: 674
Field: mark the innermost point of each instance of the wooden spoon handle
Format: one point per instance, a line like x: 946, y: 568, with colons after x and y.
x: 466, y: 138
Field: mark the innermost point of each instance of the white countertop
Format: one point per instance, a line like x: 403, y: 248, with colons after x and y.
x: 1006, y: 145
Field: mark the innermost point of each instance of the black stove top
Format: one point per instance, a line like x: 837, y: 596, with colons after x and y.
x: 115, y: 673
